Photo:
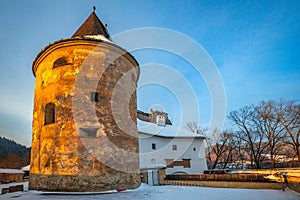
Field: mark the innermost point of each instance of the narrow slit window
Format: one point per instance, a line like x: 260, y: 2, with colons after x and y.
x: 95, y: 96
x: 49, y: 113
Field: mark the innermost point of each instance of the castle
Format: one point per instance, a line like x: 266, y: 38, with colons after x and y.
x: 84, y: 133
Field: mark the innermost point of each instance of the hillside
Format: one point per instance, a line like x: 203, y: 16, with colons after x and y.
x: 12, y: 154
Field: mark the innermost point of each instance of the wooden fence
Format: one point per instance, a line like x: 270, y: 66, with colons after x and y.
x: 221, y: 177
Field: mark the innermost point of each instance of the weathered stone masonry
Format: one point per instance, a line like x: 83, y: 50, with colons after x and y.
x: 77, y: 141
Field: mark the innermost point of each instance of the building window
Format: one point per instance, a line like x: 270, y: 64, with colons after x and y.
x: 153, y: 146
x: 174, y: 147
x: 194, y: 149
x: 95, y: 96
x: 88, y: 132
x: 160, y: 120
x: 60, y: 62
x: 49, y: 117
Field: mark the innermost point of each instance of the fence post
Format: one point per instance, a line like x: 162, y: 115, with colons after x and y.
x: 283, y: 179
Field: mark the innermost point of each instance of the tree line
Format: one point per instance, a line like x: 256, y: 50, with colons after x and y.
x: 13, y: 155
x: 267, y: 136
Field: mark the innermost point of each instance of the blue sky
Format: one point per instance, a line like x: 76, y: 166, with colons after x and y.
x: 254, y: 44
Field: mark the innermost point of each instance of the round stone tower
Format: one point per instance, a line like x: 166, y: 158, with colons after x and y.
x: 84, y: 134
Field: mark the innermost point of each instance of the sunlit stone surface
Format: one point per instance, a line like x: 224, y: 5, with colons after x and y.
x: 91, y: 144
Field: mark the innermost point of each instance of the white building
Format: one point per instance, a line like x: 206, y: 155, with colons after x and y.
x: 178, y: 151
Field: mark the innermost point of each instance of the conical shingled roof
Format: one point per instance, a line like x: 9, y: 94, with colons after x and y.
x: 91, y: 26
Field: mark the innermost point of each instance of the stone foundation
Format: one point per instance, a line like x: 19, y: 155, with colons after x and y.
x: 83, y: 183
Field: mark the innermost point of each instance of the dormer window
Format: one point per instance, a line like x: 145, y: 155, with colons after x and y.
x: 161, y: 120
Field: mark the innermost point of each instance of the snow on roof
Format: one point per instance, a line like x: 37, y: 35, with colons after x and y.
x: 26, y: 168
x: 154, y: 166
x: 98, y: 37
x: 166, y: 131
x: 11, y: 171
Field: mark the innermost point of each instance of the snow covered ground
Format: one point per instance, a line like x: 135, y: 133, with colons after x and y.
x: 165, y: 192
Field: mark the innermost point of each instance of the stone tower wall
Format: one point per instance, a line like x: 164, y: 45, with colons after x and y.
x: 93, y: 143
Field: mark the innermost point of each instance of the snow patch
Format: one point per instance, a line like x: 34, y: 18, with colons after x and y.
x: 98, y: 37
x: 11, y: 171
x: 165, y: 192
x: 26, y: 168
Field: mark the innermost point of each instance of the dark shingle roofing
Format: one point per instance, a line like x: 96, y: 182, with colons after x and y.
x: 91, y: 26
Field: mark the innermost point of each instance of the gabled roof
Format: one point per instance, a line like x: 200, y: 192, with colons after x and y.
x: 166, y: 132
x: 91, y: 26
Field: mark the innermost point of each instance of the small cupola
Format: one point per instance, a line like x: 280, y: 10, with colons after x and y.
x: 92, y: 28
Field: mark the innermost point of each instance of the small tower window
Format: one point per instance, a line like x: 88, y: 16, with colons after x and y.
x: 95, y: 96
x: 153, y: 146
x: 174, y: 147
x: 88, y: 132
x: 60, y: 62
x: 194, y: 149
x: 49, y: 113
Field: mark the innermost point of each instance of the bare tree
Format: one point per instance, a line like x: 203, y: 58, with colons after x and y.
x: 195, y: 128
x: 249, y: 133
x: 290, y: 120
x: 240, y: 153
x: 220, y: 147
x: 230, y: 147
x: 268, y: 114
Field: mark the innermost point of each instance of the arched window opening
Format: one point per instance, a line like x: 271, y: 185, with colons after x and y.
x: 49, y: 113
x: 61, y: 62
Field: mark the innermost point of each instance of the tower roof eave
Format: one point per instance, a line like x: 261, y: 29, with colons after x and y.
x: 85, y: 39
